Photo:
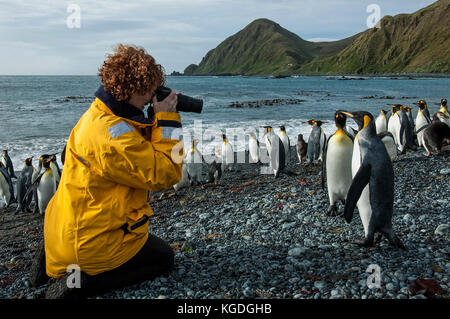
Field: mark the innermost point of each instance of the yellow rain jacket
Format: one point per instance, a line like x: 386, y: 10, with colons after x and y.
x: 98, y: 217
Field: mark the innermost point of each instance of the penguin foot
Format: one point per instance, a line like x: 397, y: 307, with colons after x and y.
x: 395, y: 241
x: 364, y: 243
x: 332, y: 211
x: 378, y: 238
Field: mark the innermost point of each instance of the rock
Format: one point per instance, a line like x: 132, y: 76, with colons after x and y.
x: 442, y: 229
x: 408, y: 218
x: 162, y: 297
x: 320, y: 285
x: 334, y: 293
x: 390, y: 286
x: 190, y: 293
x: 444, y: 171
x: 288, y: 225
x: 298, y: 251
x: 248, y: 292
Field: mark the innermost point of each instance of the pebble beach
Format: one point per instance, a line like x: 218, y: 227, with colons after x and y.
x: 254, y: 236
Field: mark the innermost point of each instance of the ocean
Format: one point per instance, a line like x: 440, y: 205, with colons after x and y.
x: 37, y: 113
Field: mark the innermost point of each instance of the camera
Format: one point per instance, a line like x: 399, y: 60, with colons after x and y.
x: 185, y: 103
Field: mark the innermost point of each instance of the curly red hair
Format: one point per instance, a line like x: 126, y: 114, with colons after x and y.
x: 130, y: 69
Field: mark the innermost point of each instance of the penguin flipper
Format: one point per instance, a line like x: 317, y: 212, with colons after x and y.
x: 33, y: 187
x: 324, y: 160
x: 360, y: 181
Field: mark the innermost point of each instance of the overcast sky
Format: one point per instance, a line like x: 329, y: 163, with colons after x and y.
x: 35, y: 37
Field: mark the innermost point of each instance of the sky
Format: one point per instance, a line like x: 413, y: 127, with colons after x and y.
x: 57, y: 37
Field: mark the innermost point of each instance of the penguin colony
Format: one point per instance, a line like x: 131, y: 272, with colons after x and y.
x: 356, y: 164
x: 32, y: 184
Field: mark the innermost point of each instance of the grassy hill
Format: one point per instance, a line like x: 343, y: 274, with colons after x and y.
x: 263, y: 47
x: 406, y: 43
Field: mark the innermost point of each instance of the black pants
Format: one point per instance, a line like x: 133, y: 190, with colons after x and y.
x: 155, y: 258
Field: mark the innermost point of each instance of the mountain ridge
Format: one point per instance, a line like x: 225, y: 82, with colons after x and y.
x: 406, y: 43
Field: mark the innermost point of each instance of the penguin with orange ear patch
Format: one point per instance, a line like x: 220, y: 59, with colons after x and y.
x: 316, y: 142
x: 372, y: 188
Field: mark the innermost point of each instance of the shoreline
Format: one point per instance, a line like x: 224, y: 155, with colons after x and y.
x: 253, y: 236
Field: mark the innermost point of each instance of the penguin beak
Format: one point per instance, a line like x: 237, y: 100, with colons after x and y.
x: 348, y: 114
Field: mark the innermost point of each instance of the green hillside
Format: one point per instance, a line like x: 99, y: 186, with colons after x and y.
x: 406, y: 43
x: 263, y: 47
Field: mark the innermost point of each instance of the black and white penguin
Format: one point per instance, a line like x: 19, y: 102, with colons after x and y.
x: 316, y: 142
x: 407, y: 129
x: 409, y: 114
x: 55, y: 168
x: 403, y: 132
x: 388, y: 140
x: 337, y: 163
x: 444, y: 107
x: 394, y: 124
x: 6, y: 160
x: 44, y: 185
x: 184, y: 181
x: 276, y: 151
x: 253, y: 148
x: 301, y: 147
x: 6, y: 186
x: 194, y: 163
x: 422, y: 120
x: 227, y: 154
x: 22, y: 185
x: 286, y: 143
x: 381, y: 122
x: 443, y: 116
x: 372, y: 188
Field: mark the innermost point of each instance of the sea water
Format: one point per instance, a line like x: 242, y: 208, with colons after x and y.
x: 37, y: 113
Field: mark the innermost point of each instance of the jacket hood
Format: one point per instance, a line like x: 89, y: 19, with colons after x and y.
x: 122, y: 109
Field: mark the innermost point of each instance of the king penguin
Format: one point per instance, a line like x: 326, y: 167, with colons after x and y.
x: 395, y: 126
x: 194, y: 163
x: 406, y: 131
x: 253, y: 148
x: 389, y: 143
x: 301, y: 147
x: 184, y: 181
x: 44, y: 185
x: 337, y: 163
x: 286, y: 143
x: 6, y: 186
x: 316, y: 142
x: 443, y: 114
x: 22, y: 185
x: 422, y: 120
x: 55, y: 168
x: 227, y: 154
x: 408, y: 111
x: 381, y: 122
x: 276, y: 151
x: 372, y: 188
x: 444, y: 108
x: 6, y: 160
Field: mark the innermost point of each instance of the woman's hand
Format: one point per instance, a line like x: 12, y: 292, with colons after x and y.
x: 169, y: 104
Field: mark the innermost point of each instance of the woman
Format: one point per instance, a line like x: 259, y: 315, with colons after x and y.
x: 98, y: 217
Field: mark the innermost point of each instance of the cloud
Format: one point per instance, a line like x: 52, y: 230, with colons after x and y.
x: 177, y: 32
